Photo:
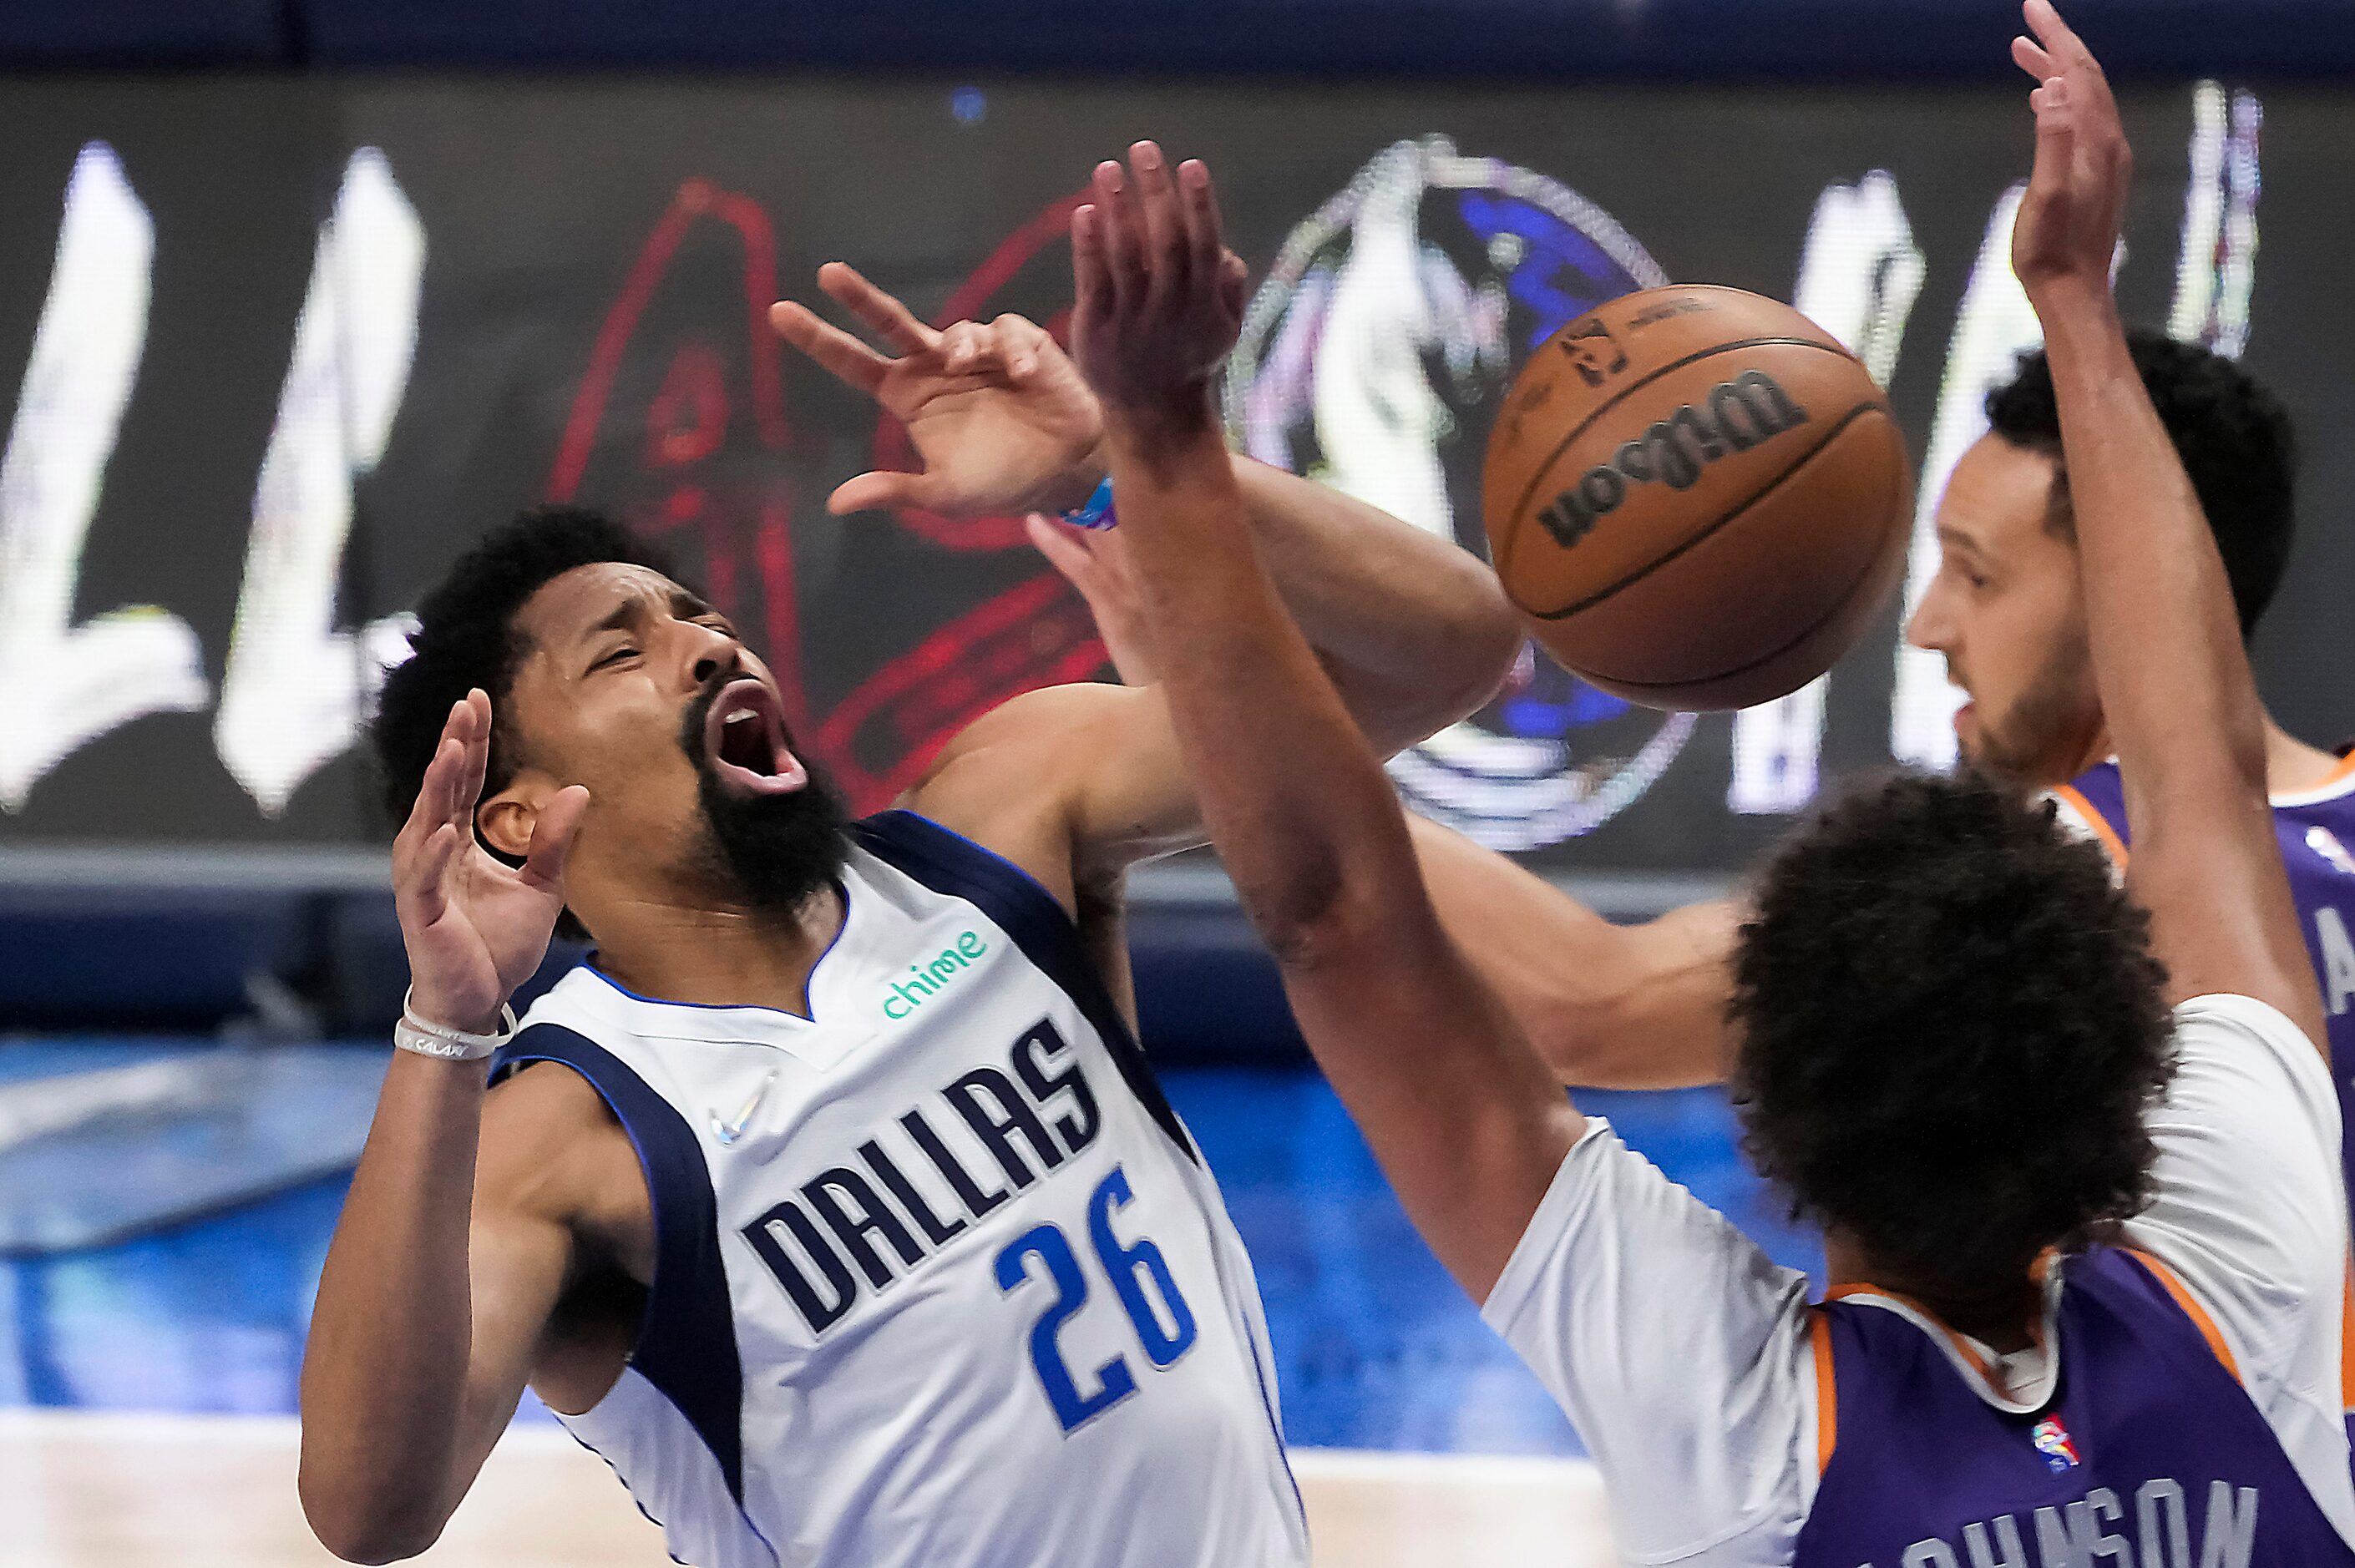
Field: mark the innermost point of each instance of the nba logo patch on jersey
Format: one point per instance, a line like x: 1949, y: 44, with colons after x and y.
x: 2052, y: 1440
x: 2325, y: 842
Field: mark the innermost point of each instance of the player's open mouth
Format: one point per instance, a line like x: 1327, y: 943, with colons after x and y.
x: 744, y: 737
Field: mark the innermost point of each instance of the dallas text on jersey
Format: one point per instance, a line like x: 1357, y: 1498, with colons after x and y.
x: 1040, y: 1102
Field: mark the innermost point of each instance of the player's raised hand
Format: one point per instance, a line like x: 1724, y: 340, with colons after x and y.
x: 1001, y: 419
x: 1159, y: 296
x: 475, y: 928
x: 1095, y: 561
x: 2067, y: 231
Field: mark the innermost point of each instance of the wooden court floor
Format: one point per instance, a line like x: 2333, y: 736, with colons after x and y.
x: 99, y: 1490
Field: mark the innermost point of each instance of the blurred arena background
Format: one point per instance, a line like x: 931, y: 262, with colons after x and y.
x: 297, y: 295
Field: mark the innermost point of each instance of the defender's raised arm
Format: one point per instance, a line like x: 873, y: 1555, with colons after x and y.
x: 1464, y: 1119
x: 2175, y: 683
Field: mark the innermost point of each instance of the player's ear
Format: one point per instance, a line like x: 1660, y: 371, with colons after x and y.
x: 505, y: 821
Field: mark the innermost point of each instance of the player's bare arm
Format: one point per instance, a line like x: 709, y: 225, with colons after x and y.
x: 2175, y: 682
x: 442, y: 1279
x: 1639, y: 1006
x: 1078, y: 782
x: 1464, y: 1117
x: 1608, y: 1006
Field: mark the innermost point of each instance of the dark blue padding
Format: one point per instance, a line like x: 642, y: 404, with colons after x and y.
x: 950, y: 863
x: 147, y: 32
x: 686, y: 1342
x: 1659, y: 40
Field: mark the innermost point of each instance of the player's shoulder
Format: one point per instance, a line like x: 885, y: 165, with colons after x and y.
x: 2243, y: 1031
x: 550, y: 1141
x: 531, y: 1086
x: 1008, y: 780
x: 1022, y: 736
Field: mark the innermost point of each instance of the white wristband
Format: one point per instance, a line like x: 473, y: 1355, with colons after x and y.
x: 448, y: 1044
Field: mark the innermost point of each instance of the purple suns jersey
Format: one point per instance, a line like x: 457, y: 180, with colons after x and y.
x: 2181, y: 1411
x: 2317, y: 829
x: 2152, y: 1454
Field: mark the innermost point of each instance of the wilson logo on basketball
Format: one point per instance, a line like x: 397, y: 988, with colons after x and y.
x: 1736, y: 416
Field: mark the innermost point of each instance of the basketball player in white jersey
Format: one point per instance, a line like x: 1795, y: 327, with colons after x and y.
x: 831, y: 1201
x: 2074, y: 1156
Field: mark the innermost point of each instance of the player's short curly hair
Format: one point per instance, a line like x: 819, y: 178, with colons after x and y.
x: 2234, y: 437
x: 466, y: 638
x: 1952, y: 1029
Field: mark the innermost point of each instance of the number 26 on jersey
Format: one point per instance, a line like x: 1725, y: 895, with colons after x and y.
x: 1139, y: 1277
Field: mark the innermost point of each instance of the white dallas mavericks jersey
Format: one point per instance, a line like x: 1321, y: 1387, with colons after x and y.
x: 940, y: 1276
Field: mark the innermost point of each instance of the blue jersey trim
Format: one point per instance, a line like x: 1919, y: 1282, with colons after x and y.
x: 1275, y: 1425
x: 950, y: 863
x: 687, y: 1340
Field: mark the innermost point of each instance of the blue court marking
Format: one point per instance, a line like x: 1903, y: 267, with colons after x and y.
x: 1375, y: 1346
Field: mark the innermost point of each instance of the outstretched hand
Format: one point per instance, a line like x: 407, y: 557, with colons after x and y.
x: 998, y: 415
x: 1159, y: 296
x: 475, y: 928
x: 2067, y: 230
x: 1095, y: 562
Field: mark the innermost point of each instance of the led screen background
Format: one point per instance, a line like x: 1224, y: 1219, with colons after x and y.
x: 291, y: 344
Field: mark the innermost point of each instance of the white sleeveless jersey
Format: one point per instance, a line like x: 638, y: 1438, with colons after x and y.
x: 941, y: 1279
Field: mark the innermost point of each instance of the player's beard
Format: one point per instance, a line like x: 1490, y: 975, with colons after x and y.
x: 2041, y: 738
x: 772, y: 852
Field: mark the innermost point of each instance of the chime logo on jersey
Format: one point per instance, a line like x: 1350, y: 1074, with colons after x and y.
x: 2325, y: 842
x: 2052, y: 1440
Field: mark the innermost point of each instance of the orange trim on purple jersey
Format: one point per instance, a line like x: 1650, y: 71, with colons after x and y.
x: 2191, y: 1308
x: 1819, y: 1330
x: 2076, y: 801
x: 1962, y: 1343
x: 2346, y: 1341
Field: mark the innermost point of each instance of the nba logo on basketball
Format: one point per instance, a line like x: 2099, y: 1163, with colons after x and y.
x: 1594, y: 351
x: 2052, y: 1440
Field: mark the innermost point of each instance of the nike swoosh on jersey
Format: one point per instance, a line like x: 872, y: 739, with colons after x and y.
x: 728, y: 1132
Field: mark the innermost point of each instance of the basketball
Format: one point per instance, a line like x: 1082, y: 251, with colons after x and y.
x: 1698, y: 497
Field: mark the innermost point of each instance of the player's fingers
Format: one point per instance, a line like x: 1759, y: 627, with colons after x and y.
x: 967, y: 346
x: 553, y: 833
x: 1200, y: 203
x: 1064, y: 549
x: 1163, y: 227
x: 2030, y: 57
x: 2043, y: 21
x: 477, y: 764
x: 849, y: 360
x: 1020, y: 342
x: 1234, y: 284
x: 1123, y: 251
x: 432, y: 803
x: 894, y: 323
x: 449, y: 759
x: 877, y: 490
x: 1090, y: 290
x: 427, y: 892
x: 2056, y: 138
x: 2060, y: 40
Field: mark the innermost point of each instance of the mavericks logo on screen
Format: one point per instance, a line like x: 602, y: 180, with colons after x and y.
x: 1373, y: 359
